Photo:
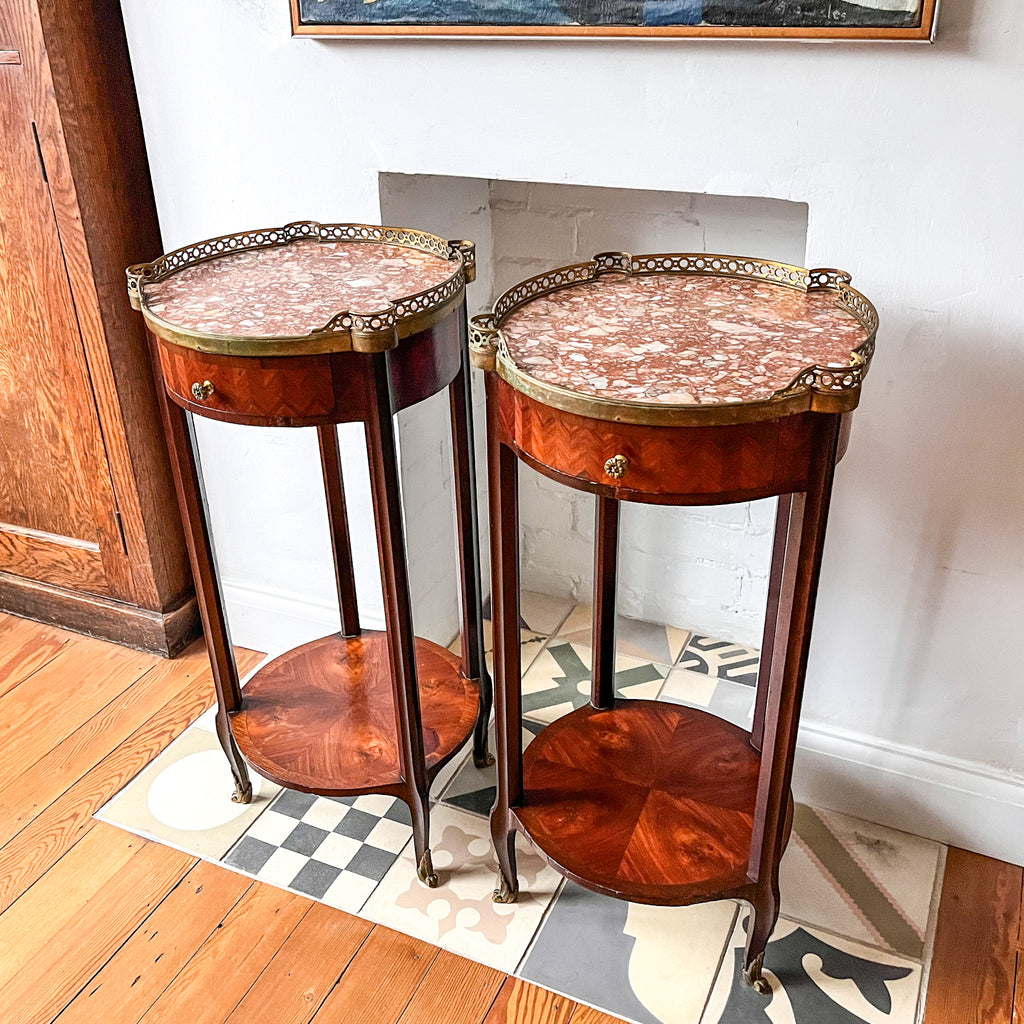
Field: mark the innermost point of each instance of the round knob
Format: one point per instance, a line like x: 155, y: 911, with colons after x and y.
x: 201, y: 392
x: 616, y: 466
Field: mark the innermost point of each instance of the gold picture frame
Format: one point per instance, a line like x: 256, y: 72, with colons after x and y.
x: 894, y: 20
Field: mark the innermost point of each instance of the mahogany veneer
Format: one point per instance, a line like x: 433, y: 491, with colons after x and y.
x: 360, y: 711
x: 321, y: 718
x: 646, y: 801
x: 289, y: 391
x: 667, y: 465
x: 309, y: 390
x: 642, y: 800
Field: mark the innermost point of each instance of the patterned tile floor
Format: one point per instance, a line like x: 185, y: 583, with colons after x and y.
x: 858, y: 899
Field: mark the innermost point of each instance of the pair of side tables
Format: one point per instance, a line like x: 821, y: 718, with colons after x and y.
x: 679, y: 379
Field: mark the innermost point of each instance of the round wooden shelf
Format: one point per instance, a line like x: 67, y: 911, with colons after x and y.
x: 648, y: 801
x: 321, y: 718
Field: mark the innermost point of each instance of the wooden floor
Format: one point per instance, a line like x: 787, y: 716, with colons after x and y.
x: 100, y: 927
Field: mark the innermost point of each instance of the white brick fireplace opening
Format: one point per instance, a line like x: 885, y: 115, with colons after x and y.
x: 702, y: 568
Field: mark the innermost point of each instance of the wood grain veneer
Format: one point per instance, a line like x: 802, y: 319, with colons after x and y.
x: 321, y: 718
x: 647, y: 801
x: 667, y: 465
x: 286, y: 392
x: 55, y: 491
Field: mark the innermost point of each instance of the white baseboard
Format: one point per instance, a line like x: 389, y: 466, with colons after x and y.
x: 961, y: 803
x: 265, y: 620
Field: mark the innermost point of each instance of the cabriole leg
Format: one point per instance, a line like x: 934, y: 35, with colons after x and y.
x: 504, y: 840
x: 764, y: 913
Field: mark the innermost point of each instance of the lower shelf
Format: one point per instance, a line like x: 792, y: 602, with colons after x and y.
x: 647, y: 801
x: 321, y: 718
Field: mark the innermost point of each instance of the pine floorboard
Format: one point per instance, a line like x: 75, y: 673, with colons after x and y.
x: 977, y: 952
x: 101, y: 927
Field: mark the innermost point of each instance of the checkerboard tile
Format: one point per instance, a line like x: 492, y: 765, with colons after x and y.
x: 334, y: 849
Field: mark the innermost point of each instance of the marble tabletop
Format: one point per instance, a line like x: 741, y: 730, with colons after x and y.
x: 678, y: 338
x: 292, y: 289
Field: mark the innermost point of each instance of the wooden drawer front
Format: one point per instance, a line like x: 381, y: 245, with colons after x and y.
x: 288, y: 390
x: 691, y: 464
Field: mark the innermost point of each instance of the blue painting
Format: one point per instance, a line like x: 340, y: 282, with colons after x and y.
x: 844, y: 18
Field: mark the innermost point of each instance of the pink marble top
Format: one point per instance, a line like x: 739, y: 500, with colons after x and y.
x: 679, y: 339
x: 292, y: 289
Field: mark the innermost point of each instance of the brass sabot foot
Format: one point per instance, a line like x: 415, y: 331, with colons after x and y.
x: 242, y: 793
x: 484, y: 760
x: 755, y: 979
x: 425, y: 872
x: 505, y: 893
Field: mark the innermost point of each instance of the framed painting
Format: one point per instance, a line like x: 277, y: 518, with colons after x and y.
x: 908, y: 20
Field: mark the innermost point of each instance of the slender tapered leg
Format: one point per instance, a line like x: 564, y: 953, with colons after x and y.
x: 387, y: 508
x: 337, y: 518
x: 775, y: 630
x: 474, y: 665
x: 188, y: 482
x: 504, y: 508
x: 606, y: 567
x: 798, y: 591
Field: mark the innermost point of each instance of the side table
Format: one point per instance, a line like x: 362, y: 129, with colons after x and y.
x: 314, y: 325
x: 682, y: 379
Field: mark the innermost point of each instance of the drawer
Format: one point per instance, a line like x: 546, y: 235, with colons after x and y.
x: 692, y: 465
x: 284, y: 391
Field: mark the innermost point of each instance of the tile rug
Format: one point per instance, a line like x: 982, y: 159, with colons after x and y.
x: 858, y: 900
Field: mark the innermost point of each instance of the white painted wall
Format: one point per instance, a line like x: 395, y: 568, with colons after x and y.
x: 909, y: 160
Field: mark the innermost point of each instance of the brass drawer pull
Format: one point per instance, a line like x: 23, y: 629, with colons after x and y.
x: 201, y: 392
x: 616, y: 466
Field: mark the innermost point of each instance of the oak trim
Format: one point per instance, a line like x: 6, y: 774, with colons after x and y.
x: 166, y: 633
x: 90, y: 134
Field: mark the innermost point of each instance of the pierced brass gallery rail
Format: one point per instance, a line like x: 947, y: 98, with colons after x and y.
x: 367, y: 331
x: 816, y: 388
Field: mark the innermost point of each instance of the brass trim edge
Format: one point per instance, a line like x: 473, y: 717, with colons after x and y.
x: 347, y: 330
x: 826, y: 389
